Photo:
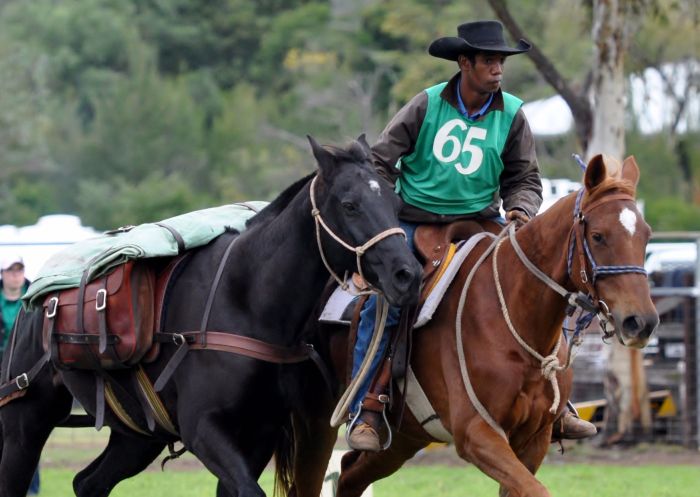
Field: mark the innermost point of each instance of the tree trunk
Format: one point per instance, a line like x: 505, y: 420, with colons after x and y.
x: 600, y: 119
x: 626, y: 385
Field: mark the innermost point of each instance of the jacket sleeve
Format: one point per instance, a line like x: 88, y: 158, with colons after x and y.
x: 399, y: 137
x: 521, y: 185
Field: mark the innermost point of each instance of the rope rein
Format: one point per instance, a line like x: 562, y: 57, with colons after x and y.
x: 549, y: 365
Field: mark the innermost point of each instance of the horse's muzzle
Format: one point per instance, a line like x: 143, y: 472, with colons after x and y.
x: 405, y: 284
x: 635, y: 329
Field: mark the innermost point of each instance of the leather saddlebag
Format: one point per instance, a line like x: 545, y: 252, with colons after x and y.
x: 116, y: 325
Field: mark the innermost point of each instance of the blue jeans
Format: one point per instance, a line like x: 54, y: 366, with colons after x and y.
x: 34, y: 485
x: 365, y: 330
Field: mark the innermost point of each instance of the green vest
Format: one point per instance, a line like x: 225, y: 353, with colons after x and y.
x: 456, y: 165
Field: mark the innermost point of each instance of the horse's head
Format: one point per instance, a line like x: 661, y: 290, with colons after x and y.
x: 360, y: 211
x: 609, y: 239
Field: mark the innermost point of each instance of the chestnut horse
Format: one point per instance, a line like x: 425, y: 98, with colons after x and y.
x: 589, y: 245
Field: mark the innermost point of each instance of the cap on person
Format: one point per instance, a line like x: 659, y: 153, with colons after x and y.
x: 9, y: 261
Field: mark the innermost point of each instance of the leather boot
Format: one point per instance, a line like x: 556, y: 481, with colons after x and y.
x: 570, y: 427
x: 364, y: 435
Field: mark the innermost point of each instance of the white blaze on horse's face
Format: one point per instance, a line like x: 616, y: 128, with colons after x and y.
x: 628, y: 219
x: 374, y: 186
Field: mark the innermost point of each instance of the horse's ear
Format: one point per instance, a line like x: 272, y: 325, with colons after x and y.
x: 630, y: 170
x: 325, y: 159
x: 595, y: 172
x: 362, y: 140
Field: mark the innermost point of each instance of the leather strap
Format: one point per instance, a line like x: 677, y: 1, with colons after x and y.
x: 235, y: 344
x: 99, y: 401
x: 101, y: 308
x: 250, y: 347
x: 213, y: 289
x: 173, y: 363
x: 176, y: 235
x: 22, y: 381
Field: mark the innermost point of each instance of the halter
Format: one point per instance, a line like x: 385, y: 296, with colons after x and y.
x: 578, y: 232
x: 359, y: 250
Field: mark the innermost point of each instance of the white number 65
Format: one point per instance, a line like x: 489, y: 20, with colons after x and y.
x: 443, y: 137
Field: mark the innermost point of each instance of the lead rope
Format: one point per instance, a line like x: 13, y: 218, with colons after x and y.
x: 549, y: 365
x: 340, y: 413
x: 460, y: 347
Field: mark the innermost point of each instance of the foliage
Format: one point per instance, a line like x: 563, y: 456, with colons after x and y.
x: 123, y: 111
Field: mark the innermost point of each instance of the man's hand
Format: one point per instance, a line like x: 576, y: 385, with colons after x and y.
x: 518, y: 216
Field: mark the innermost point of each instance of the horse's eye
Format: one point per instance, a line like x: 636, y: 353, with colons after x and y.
x: 597, y: 237
x: 349, y: 207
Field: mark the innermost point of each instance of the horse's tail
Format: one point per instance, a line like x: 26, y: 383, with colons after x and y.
x: 284, y: 459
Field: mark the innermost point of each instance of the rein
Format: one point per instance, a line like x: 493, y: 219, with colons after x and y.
x: 359, y: 250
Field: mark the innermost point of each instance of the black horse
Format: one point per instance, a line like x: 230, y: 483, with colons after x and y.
x: 231, y: 411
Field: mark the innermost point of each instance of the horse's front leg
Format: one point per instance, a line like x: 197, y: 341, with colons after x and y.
x: 124, y: 456
x: 532, y: 452
x: 229, y: 453
x: 26, y: 424
x: 479, y: 444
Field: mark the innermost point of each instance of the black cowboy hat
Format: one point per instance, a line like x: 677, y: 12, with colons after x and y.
x: 479, y: 36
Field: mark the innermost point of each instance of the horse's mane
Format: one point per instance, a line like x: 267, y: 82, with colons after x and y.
x: 607, y: 185
x: 278, y: 205
x: 355, y: 152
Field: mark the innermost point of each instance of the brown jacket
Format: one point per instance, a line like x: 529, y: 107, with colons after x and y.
x: 521, y: 187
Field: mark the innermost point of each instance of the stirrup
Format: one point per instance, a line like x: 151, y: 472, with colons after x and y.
x: 355, y: 419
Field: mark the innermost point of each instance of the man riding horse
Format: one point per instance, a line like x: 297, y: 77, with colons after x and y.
x: 454, y: 151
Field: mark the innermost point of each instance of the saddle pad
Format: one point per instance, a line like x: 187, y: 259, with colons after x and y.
x: 439, y: 289
x: 101, y: 254
x: 336, y: 305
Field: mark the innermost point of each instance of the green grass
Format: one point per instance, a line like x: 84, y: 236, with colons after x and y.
x: 70, y: 450
x: 576, y: 480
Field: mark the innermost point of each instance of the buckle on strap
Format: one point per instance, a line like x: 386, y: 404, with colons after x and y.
x: 22, y: 381
x: 101, y: 299
x: 52, y: 307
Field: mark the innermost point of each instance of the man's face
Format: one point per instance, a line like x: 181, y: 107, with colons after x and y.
x: 485, y: 75
x: 13, y: 277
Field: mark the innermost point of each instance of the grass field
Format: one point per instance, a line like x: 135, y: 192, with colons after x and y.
x: 69, y: 450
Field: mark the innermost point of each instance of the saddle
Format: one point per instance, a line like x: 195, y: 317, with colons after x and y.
x: 434, y: 243
x: 108, y: 323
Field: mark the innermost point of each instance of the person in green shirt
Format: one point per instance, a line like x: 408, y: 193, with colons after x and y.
x: 13, y: 284
x: 461, y: 149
